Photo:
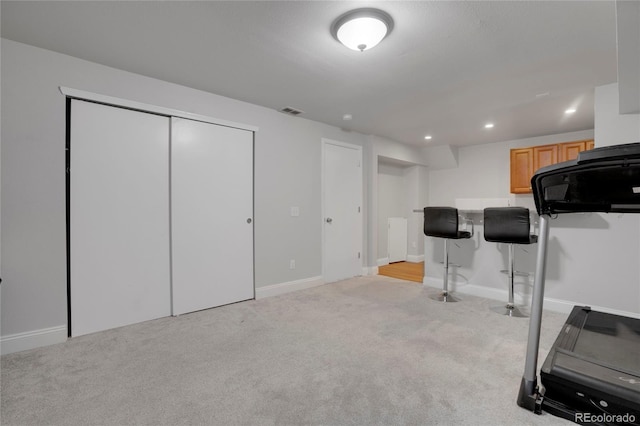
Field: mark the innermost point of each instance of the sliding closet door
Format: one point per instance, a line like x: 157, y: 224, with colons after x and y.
x: 119, y: 217
x: 211, y: 215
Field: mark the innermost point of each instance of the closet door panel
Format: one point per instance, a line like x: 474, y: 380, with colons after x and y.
x: 119, y: 217
x: 211, y: 215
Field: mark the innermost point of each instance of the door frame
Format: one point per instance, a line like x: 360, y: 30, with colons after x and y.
x: 358, y: 148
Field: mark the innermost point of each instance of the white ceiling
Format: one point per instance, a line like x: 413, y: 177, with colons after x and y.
x: 446, y: 69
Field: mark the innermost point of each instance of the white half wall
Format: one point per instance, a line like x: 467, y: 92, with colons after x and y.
x: 588, y: 262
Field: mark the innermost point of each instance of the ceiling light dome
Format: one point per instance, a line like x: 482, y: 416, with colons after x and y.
x: 362, y: 29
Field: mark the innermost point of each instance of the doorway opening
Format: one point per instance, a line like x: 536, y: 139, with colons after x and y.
x: 402, y: 193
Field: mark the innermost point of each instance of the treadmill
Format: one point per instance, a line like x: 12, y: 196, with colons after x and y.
x: 592, y: 373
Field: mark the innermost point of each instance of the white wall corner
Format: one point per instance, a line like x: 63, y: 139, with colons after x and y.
x: 441, y: 157
x: 288, y: 287
x: 415, y: 258
x: 32, y: 339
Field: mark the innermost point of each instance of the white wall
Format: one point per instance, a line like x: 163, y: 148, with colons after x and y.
x: 484, y: 171
x: 392, y: 200
x: 287, y: 170
x: 611, y: 127
x: 287, y: 173
x: 588, y: 253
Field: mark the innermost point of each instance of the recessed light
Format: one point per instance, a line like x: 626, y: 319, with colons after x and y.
x: 347, y: 117
x: 488, y: 126
x: 570, y: 111
x: 428, y: 137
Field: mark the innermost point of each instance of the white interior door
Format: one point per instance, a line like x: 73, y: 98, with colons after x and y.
x: 342, y: 210
x: 211, y: 215
x: 119, y: 217
x: 397, y: 239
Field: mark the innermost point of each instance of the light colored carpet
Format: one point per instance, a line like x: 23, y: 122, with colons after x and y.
x: 365, y: 351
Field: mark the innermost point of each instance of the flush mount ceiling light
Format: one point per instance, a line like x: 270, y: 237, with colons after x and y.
x: 362, y: 29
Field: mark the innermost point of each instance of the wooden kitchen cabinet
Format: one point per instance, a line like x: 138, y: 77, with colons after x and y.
x: 521, y: 170
x: 570, y: 150
x: 543, y: 156
x: 525, y: 161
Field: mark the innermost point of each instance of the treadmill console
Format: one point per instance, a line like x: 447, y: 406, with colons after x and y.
x: 599, y: 180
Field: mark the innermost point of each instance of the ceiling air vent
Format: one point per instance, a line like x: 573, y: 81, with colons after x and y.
x: 291, y: 111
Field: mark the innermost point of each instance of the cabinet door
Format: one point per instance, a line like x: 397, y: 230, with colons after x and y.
x: 544, y: 155
x: 211, y: 215
x: 570, y: 150
x: 119, y: 217
x: 521, y: 170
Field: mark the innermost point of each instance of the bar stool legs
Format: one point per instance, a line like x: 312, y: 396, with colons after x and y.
x: 510, y: 309
x: 509, y: 225
x: 444, y: 295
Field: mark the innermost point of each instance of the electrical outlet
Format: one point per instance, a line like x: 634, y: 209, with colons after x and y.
x: 292, y: 264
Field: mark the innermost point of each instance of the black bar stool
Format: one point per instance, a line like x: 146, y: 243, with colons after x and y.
x: 442, y: 222
x: 509, y: 225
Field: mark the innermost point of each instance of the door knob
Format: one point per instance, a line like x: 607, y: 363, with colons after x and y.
x: 329, y: 220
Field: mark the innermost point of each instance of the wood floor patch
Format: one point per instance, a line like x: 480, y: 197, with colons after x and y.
x: 403, y: 270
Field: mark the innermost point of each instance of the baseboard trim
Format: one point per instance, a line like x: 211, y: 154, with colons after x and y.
x: 565, y: 306
x: 49, y: 336
x: 432, y: 282
x: 481, y: 291
x: 288, y: 287
x: 369, y: 270
x: 32, y: 339
x: 383, y: 261
x: 551, y: 304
